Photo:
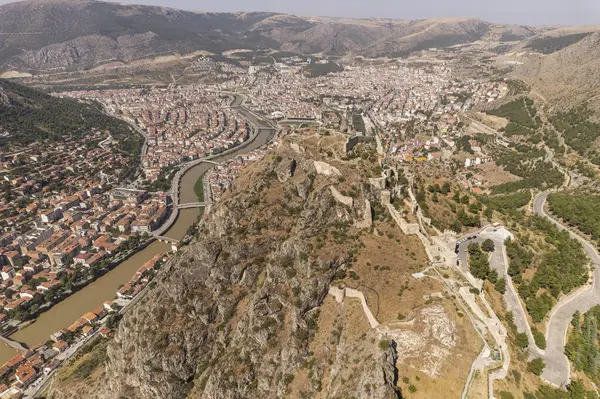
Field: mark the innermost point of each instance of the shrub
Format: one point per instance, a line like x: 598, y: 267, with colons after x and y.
x: 488, y: 245
x: 500, y: 285
x: 288, y: 378
x: 412, y: 388
x: 522, y: 340
x: 384, y: 344
x: 536, y: 366
x: 539, y: 338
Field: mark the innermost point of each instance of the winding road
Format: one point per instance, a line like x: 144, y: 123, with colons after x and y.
x: 558, y: 371
x: 499, y: 262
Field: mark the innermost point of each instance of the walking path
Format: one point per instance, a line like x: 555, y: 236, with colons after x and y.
x: 13, y: 344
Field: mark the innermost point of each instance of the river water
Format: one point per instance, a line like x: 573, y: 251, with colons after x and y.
x: 104, y: 289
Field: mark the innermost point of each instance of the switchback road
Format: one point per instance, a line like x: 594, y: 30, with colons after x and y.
x: 558, y: 371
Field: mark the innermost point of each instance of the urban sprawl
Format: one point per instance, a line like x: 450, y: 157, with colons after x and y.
x: 65, y: 218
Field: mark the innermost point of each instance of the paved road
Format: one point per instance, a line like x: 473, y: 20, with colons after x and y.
x: 558, y: 371
x: 499, y: 262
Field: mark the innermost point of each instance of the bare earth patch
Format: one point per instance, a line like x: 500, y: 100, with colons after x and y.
x: 491, y: 174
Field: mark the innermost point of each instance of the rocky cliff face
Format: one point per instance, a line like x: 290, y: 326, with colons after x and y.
x: 235, y: 315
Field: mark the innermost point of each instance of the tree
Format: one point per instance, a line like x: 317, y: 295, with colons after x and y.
x: 536, y: 366
x: 577, y: 390
x: 489, y: 213
x: 384, y: 344
x: 576, y: 319
x: 522, y: 340
x: 456, y: 197
x: 500, y: 285
x: 113, y: 320
x: 445, y: 188
x: 488, y: 245
x: 539, y: 306
x: 539, y: 338
x: 493, y: 276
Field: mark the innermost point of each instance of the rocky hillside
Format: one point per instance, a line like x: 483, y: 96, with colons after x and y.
x: 69, y: 35
x: 569, y: 76
x: 246, y: 311
x: 80, y: 34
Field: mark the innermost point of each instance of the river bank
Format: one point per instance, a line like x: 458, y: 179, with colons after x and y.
x: 104, y: 288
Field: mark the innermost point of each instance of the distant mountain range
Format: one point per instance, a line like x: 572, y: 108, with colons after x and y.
x: 66, y: 35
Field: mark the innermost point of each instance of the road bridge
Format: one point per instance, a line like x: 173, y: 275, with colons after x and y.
x: 167, y: 240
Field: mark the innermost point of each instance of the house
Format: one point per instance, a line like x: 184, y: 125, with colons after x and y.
x: 125, y: 292
x: 15, y: 361
x: 99, y: 311
x: 87, y: 330
x: 60, y: 346
x: 26, y: 374
x: 57, y: 335
x: 53, y: 365
x: 48, y: 216
x: 7, y: 273
x: 48, y: 285
x: 27, y: 294
x: 95, y: 259
x: 13, y: 257
x: 81, y: 258
x: 105, y: 332
x: 16, y: 304
x: 90, y: 317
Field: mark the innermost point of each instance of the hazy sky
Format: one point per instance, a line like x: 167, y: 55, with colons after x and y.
x: 532, y: 12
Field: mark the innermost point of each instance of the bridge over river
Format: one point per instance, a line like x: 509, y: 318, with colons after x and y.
x: 13, y: 344
x: 103, y: 289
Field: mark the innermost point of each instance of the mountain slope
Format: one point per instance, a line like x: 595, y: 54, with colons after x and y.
x: 30, y: 115
x: 422, y: 35
x: 68, y: 35
x: 245, y: 311
x: 568, y: 76
x: 46, y: 35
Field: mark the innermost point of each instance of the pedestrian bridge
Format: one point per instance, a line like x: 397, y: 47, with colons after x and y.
x: 13, y: 344
x: 193, y: 205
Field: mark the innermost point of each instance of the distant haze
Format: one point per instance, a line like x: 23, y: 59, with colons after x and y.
x: 527, y: 12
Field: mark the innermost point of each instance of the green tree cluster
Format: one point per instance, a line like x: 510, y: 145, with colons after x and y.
x: 580, y: 211
x: 522, y: 115
x: 582, y: 347
x: 478, y: 262
x: 578, y: 131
